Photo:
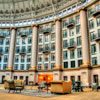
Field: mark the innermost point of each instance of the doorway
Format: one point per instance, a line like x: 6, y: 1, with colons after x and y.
x: 45, y: 77
x: 26, y: 80
x: 3, y: 77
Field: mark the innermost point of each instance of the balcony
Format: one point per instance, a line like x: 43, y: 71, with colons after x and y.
x: 71, y: 24
x: 22, y: 52
x: 46, y: 31
x: 71, y: 46
x: 1, y: 53
x: 46, y: 51
x: 96, y: 13
x: 24, y: 34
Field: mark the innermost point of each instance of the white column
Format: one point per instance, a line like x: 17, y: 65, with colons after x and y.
x: 84, y: 34
x: 12, y: 48
x: 58, y: 43
x: 11, y: 53
x: 34, y: 47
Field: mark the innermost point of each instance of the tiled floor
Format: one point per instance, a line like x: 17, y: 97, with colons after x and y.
x: 32, y: 94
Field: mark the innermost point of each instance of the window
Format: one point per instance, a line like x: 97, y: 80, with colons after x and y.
x: 72, y: 64
x: 45, y: 66
x: 23, y: 41
x: 52, y: 65
x: 27, y: 66
x: 4, y: 66
x: 1, y: 41
x: 64, y: 23
x: 22, y: 67
x: 29, y: 40
x: 39, y: 66
x: 1, y: 50
x: 90, y: 12
x: 15, y: 77
x: 40, y: 48
x: 23, y: 50
x: 65, y: 64
x: 65, y: 44
x: 65, y: 78
x: 0, y: 58
x: 52, y: 57
x: 52, y: 37
x: 28, y: 58
x: 72, y: 42
x: 5, y: 58
x: 79, y: 78
x: 16, y: 58
x: 7, y: 41
x: 22, y: 58
x: 73, y: 79
x: 52, y: 46
x: 6, y: 50
x: 64, y: 33
x: 79, y: 41
x: 79, y: 52
x: 79, y: 62
x: 94, y: 61
x: 72, y: 54
x: 46, y: 38
x: 18, y: 41
x: 91, y: 24
x: 17, y: 50
x: 77, y: 19
x: 40, y: 39
x: 96, y: 79
x: 65, y: 55
x: 78, y: 29
x: 52, y: 27
x: 93, y: 36
x: 29, y: 49
x: 71, y: 32
x: 40, y: 58
x: 98, y: 21
x: 93, y: 49
x: 21, y: 77
x: 46, y: 57
x: 98, y: 32
x: 30, y: 32
x: 16, y: 67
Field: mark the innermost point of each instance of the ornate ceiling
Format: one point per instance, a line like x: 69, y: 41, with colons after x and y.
x: 20, y: 6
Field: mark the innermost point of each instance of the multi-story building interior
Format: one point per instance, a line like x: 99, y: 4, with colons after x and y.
x: 50, y: 40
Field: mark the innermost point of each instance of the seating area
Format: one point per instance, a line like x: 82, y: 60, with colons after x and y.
x: 14, y: 85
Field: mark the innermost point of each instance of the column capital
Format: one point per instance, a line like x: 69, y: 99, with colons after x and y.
x: 57, y: 19
x: 9, y: 68
x: 34, y: 25
x: 82, y: 8
x: 13, y: 28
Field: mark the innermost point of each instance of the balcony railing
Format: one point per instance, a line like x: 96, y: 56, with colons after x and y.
x: 97, y: 38
x: 71, y: 46
x: 23, y: 52
x: 71, y: 24
x: 24, y: 34
x: 46, y: 31
x: 46, y: 51
x: 96, y: 12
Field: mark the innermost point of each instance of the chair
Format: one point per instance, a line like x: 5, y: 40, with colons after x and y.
x: 43, y: 85
x: 61, y: 86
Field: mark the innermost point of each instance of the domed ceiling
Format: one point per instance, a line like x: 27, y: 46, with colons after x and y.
x: 21, y: 6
